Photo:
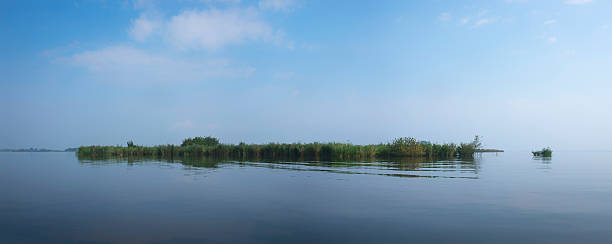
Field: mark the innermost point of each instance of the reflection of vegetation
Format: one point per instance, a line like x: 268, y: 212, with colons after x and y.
x: 543, y: 160
x: 189, y: 161
x: 404, y: 167
x: 545, y: 152
x: 210, y: 147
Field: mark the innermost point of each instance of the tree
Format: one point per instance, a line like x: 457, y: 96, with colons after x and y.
x: 476, y: 143
x: 466, y: 150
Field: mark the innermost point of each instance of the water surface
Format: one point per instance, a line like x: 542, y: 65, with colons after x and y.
x: 508, y: 197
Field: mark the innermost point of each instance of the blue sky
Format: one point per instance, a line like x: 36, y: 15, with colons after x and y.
x: 523, y: 74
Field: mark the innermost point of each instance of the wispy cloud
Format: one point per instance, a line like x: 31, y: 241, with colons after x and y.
x: 552, y: 39
x: 481, y: 18
x: 214, y: 29
x: 144, y: 26
x: 209, y: 30
x: 550, y: 22
x: 577, y: 2
x: 482, y: 22
x: 62, y: 50
x: 129, y: 64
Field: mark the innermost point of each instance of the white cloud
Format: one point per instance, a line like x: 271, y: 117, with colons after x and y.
x: 279, y: 39
x: 577, y: 2
x: 482, y: 22
x: 214, y: 29
x: 445, y: 17
x: 552, y: 39
x: 207, y: 29
x: 154, y: 4
x: 143, y: 27
x: 481, y: 18
x: 550, y: 22
x: 128, y: 64
x: 277, y: 5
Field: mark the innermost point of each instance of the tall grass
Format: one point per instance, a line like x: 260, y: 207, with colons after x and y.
x: 203, y: 147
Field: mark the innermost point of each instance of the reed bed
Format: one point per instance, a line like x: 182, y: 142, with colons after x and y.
x: 210, y: 147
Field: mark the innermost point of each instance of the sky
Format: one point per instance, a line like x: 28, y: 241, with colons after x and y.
x: 522, y: 74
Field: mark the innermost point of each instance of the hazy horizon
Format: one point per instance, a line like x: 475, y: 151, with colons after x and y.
x: 522, y: 74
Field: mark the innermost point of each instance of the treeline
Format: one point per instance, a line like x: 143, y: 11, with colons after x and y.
x: 210, y: 147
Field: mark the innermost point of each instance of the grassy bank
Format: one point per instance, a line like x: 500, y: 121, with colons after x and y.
x: 210, y: 147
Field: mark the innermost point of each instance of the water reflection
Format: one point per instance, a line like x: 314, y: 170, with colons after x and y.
x: 410, y: 167
x: 544, y: 163
x: 52, y: 198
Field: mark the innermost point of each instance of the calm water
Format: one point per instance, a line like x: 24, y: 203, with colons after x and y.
x: 505, y: 198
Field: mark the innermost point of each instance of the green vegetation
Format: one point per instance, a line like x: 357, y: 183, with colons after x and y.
x: 201, y: 141
x: 210, y: 147
x: 409, y: 147
x: 466, y: 150
x: 545, y: 152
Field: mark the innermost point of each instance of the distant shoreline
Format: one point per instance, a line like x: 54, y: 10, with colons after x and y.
x: 39, y: 150
x: 488, y: 150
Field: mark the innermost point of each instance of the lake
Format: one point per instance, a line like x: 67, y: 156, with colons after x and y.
x: 507, y: 197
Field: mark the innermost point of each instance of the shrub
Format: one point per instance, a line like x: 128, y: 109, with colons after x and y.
x: 545, y: 152
x: 202, y: 141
